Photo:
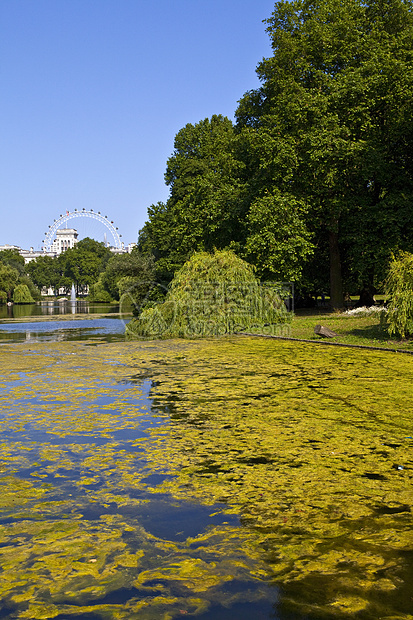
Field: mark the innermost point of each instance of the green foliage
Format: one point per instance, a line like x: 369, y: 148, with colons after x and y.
x: 83, y: 263
x: 92, y: 264
x: 22, y: 295
x: 399, y: 288
x: 14, y: 259
x: 212, y: 294
x: 34, y: 291
x: 3, y: 297
x: 98, y: 293
x: 204, y: 207
x: 279, y: 241
x: 138, y: 268
x: 45, y: 272
x: 8, y: 279
x: 315, y: 182
x: 330, y: 126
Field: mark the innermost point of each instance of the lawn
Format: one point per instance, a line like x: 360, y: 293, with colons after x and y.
x: 351, y: 329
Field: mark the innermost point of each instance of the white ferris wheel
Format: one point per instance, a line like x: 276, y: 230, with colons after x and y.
x: 93, y: 224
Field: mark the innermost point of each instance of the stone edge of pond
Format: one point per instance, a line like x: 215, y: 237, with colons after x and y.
x: 331, y: 344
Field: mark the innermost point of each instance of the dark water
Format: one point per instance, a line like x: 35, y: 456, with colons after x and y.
x: 164, y: 519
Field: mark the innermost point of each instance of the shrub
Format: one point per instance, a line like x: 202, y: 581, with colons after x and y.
x: 98, y: 293
x: 3, y: 297
x: 22, y: 295
x: 213, y: 294
x: 399, y: 288
x: 34, y: 291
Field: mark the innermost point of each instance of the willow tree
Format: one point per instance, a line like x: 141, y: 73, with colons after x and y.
x: 22, y: 295
x: 331, y: 126
x: 213, y: 294
x: 399, y: 288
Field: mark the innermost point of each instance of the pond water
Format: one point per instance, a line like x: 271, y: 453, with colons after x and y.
x: 106, y: 329
x: 217, y: 479
x: 27, y: 323
x: 54, y: 308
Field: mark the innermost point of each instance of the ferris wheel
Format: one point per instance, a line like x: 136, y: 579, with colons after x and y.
x: 84, y: 213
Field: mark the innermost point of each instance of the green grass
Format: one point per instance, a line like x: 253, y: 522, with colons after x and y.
x: 365, y: 330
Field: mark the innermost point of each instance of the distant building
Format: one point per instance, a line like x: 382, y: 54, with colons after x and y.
x: 65, y: 238
x: 122, y: 249
x: 30, y: 255
x: 9, y: 247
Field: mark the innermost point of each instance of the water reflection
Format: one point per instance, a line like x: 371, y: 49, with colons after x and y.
x: 86, y: 526
x: 106, y: 329
x: 138, y: 499
x: 55, y: 307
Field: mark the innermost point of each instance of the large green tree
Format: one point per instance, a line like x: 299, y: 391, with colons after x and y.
x: 45, y: 272
x: 330, y: 125
x: 9, y: 277
x: 13, y: 258
x: 203, y: 209
x: 134, y: 270
x: 83, y: 263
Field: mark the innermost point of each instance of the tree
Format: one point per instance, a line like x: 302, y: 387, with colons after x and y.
x: 278, y: 242
x: 25, y: 280
x: 203, y: 209
x: 139, y: 268
x: 8, y: 280
x: 326, y: 126
x: 399, y: 288
x: 22, y: 295
x: 212, y: 294
x: 13, y: 259
x: 83, y: 263
x: 45, y: 272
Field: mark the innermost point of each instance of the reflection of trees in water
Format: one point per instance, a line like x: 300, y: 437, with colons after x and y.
x: 302, y: 449
x: 132, y: 465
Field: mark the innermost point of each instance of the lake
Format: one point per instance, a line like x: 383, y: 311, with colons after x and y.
x: 216, y: 479
x: 55, y: 308
x: 66, y: 321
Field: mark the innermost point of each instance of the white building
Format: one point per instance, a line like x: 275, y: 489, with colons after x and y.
x: 65, y: 238
x: 31, y: 254
x: 6, y: 246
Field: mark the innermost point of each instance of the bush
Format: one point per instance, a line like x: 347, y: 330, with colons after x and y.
x: 98, y: 293
x: 3, y: 297
x: 399, y: 288
x: 34, y: 291
x: 22, y: 295
x: 213, y: 294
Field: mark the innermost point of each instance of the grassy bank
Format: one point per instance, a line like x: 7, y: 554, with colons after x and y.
x: 351, y: 329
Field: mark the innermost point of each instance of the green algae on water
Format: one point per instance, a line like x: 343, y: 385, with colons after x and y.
x: 311, y: 449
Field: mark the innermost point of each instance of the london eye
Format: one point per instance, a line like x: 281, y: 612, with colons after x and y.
x: 99, y: 223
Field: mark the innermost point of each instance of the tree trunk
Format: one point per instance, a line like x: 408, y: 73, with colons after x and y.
x: 336, y: 284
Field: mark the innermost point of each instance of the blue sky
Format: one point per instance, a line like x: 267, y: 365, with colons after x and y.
x: 94, y: 91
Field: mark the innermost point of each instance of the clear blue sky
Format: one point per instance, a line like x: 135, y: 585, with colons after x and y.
x: 94, y: 91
